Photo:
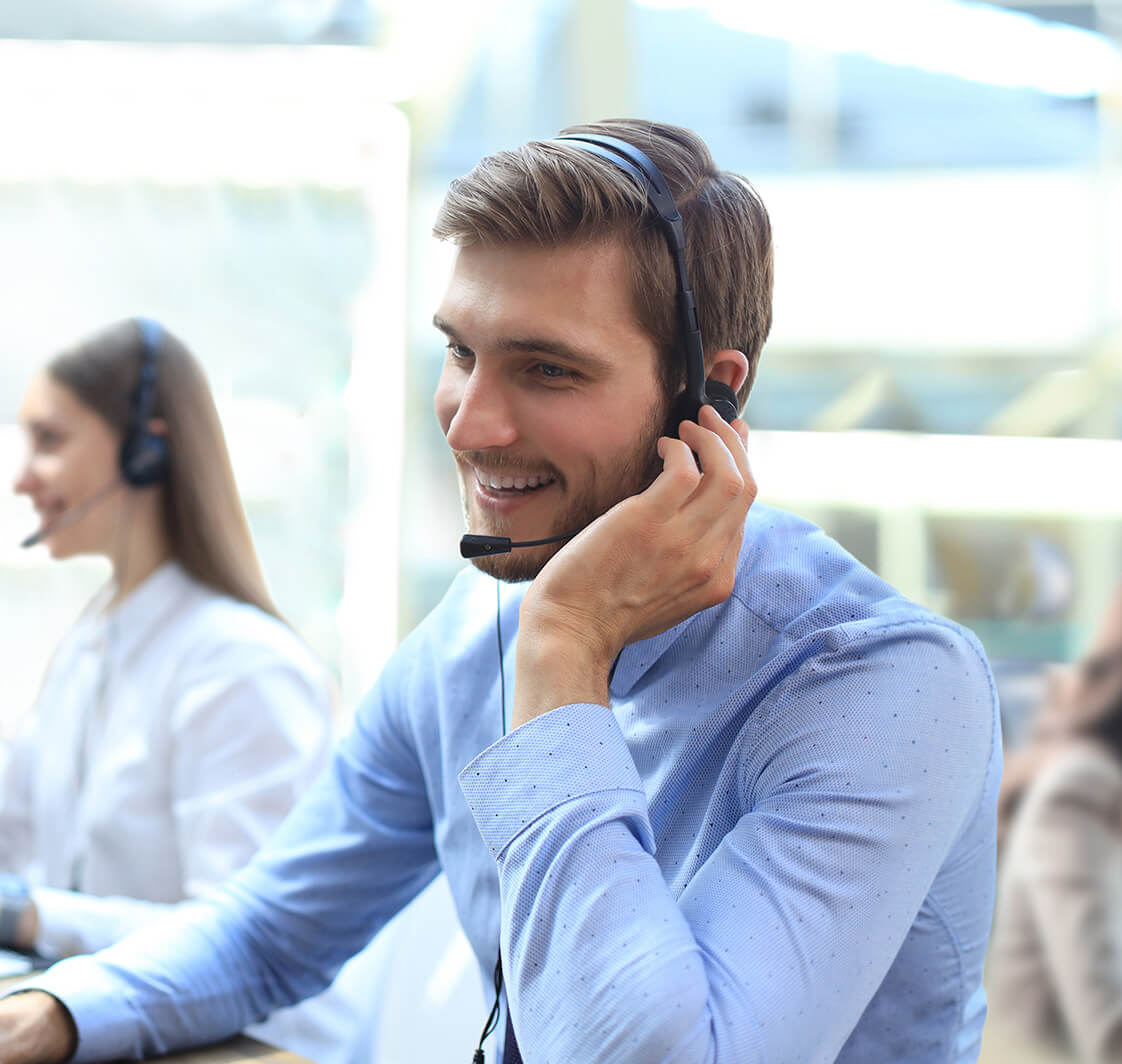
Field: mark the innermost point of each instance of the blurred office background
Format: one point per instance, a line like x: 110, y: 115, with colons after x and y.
x: 943, y: 386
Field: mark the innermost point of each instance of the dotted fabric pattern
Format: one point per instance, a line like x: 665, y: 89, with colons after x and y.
x: 776, y: 847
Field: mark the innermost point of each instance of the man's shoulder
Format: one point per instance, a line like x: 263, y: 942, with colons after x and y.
x: 817, y: 599
x: 798, y: 580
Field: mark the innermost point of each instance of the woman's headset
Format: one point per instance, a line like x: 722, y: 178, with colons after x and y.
x: 145, y: 458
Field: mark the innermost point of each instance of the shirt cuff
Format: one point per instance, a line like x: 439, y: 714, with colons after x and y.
x: 61, y: 912
x: 562, y: 755
x: 103, y: 1018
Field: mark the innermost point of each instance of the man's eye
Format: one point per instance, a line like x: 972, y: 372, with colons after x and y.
x: 552, y: 372
x: 458, y: 351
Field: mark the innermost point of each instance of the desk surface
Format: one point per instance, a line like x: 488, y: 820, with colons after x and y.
x: 232, y: 1051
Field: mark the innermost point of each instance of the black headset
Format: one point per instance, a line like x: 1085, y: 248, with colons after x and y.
x: 698, y: 391
x: 144, y: 458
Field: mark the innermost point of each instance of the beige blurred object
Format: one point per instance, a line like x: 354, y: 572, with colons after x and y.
x: 1054, y: 968
x: 237, y: 1049
x: 1001, y: 1044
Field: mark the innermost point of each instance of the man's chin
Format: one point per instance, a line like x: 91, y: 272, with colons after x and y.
x: 517, y: 566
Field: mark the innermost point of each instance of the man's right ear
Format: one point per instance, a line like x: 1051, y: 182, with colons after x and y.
x: 730, y: 368
x: 728, y: 372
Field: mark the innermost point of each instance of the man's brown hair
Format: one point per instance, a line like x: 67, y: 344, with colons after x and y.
x: 552, y: 192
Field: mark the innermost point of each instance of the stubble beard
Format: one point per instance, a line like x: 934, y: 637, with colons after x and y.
x: 637, y: 470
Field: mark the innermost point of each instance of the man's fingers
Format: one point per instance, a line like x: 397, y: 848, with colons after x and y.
x: 712, y: 501
x: 726, y: 491
x: 726, y: 479
x: 678, y: 480
x: 734, y: 435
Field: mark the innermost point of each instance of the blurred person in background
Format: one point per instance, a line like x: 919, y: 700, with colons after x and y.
x: 1062, y: 714
x: 1054, y: 969
x: 181, y: 717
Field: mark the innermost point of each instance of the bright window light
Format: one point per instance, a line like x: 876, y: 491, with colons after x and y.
x: 997, y: 476
x: 182, y: 114
x: 975, y: 41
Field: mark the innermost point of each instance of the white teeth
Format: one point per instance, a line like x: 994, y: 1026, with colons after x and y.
x: 510, y: 483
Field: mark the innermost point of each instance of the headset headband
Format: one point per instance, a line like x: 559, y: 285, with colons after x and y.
x: 144, y: 456
x: 638, y: 165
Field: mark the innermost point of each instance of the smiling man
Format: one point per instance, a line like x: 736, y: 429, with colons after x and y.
x: 743, y: 809
x: 552, y: 417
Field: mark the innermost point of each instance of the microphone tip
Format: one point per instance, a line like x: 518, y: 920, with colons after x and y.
x: 478, y: 546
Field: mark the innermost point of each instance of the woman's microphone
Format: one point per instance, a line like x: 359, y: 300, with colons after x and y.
x: 70, y: 515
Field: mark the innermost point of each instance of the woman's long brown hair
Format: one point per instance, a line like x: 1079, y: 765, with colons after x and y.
x: 202, y: 511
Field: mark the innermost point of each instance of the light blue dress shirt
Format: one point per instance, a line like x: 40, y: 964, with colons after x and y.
x: 777, y: 845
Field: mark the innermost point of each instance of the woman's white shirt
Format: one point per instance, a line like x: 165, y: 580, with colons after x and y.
x: 169, y: 740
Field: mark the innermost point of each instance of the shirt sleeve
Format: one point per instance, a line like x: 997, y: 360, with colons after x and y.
x: 1071, y: 879
x: 353, y: 852
x: 71, y: 922
x: 243, y: 748
x: 860, y: 775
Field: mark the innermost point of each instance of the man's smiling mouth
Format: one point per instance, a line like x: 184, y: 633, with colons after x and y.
x: 507, y: 483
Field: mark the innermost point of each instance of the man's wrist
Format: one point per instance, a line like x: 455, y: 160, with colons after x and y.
x: 36, y: 1028
x: 551, y: 634
x: 553, y: 671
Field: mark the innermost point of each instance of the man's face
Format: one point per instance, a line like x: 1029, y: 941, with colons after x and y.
x: 550, y: 395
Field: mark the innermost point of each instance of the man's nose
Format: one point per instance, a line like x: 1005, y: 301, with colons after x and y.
x: 483, y: 416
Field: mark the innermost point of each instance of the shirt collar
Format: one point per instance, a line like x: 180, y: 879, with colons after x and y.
x: 141, y: 615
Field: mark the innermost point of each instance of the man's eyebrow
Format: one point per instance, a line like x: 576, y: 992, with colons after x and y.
x: 444, y: 327
x: 536, y: 345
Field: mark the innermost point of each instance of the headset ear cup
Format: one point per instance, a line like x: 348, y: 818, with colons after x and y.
x: 684, y: 408
x: 144, y: 460
x: 723, y: 399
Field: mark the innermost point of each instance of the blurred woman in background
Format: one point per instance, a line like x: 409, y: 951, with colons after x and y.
x: 181, y: 717
x: 1054, y: 968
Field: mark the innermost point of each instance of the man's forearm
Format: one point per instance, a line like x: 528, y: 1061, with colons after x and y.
x: 35, y: 1028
